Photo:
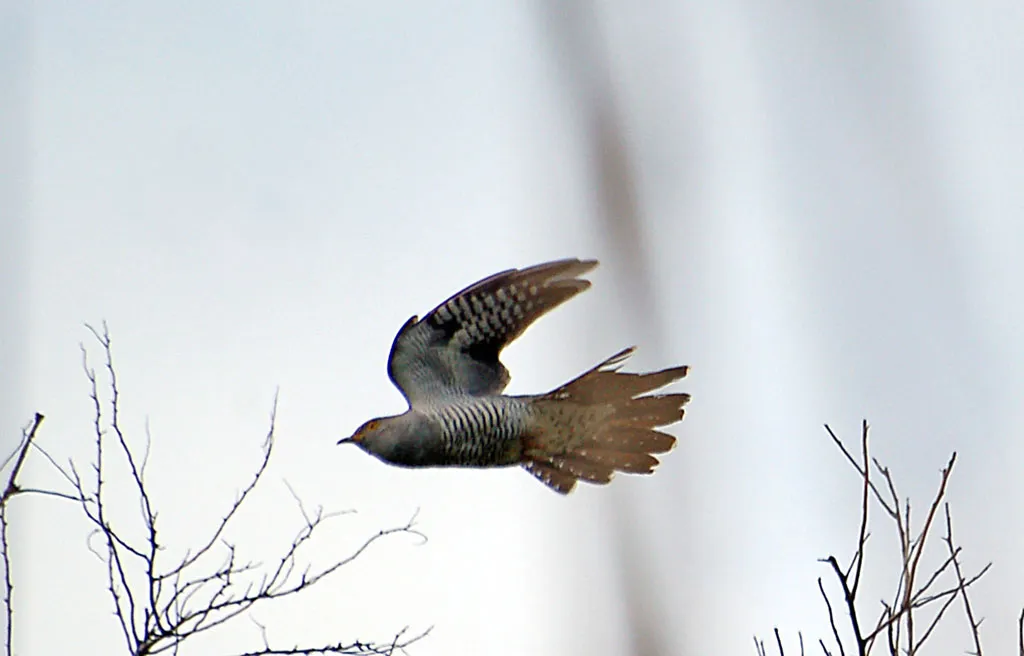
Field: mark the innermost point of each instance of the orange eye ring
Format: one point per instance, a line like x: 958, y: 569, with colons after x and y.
x: 368, y: 427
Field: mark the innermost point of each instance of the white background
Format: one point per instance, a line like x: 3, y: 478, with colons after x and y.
x: 816, y: 205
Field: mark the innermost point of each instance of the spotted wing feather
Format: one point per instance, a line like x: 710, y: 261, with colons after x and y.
x: 455, y: 348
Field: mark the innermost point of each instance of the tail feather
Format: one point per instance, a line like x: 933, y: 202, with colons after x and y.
x: 627, y: 439
x: 599, y: 424
x: 583, y: 468
x: 631, y: 463
x: 606, y: 384
x: 652, y: 411
x: 551, y: 476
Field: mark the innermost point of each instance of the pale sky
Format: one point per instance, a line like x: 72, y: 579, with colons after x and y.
x: 255, y: 196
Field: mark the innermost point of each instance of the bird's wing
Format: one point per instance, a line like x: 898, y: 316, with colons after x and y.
x: 455, y: 348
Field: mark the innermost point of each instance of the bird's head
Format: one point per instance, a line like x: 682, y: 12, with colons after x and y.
x: 369, y: 434
x: 388, y: 438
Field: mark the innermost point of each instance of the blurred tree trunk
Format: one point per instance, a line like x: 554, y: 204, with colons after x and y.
x: 580, y: 48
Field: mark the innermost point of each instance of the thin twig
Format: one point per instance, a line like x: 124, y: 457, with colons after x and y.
x: 862, y: 537
x: 856, y: 465
x: 1020, y: 634
x: 268, y: 448
x: 831, y: 619
x: 10, y: 490
x: 850, y: 603
x: 953, y: 551
x: 22, y: 452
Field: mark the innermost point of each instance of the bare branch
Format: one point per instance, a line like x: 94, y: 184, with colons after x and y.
x: 961, y: 583
x: 853, y: 461
x: 862, y: 539
x: 268, y: 447
x: 10, y: 490
x: 831, y: 619
x: 850, y: 599
x: 897, y: 619
x: 27, y: 437
x: 919, y: 543
x: 1020, y: 633
x: 159, y: 607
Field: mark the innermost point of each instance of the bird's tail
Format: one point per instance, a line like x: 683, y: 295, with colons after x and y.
x: 600, y: 423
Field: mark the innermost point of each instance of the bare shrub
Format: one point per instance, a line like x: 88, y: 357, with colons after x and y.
x: 161, y: 604
x: 921, y: 598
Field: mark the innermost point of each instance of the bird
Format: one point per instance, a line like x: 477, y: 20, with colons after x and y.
x: 447, y: 366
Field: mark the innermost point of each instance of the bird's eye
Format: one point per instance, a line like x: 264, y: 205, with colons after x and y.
x: 371, y: 425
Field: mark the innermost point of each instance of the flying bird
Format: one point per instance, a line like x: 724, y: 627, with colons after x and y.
x: 448, y: 368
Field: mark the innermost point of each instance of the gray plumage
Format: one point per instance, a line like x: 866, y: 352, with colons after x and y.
x: 448, y: 368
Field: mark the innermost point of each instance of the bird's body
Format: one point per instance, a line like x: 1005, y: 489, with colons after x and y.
x: 465, y: 431
x: 447, y: 366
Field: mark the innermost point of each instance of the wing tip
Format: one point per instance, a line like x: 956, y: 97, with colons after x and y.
x: 560, y: 270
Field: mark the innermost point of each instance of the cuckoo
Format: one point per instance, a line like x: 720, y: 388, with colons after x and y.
x: 448, y: 368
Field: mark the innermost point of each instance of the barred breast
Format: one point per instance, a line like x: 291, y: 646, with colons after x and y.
x: 483, y: 431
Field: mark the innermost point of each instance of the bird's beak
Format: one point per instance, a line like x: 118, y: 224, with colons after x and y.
x: 354, y: 439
